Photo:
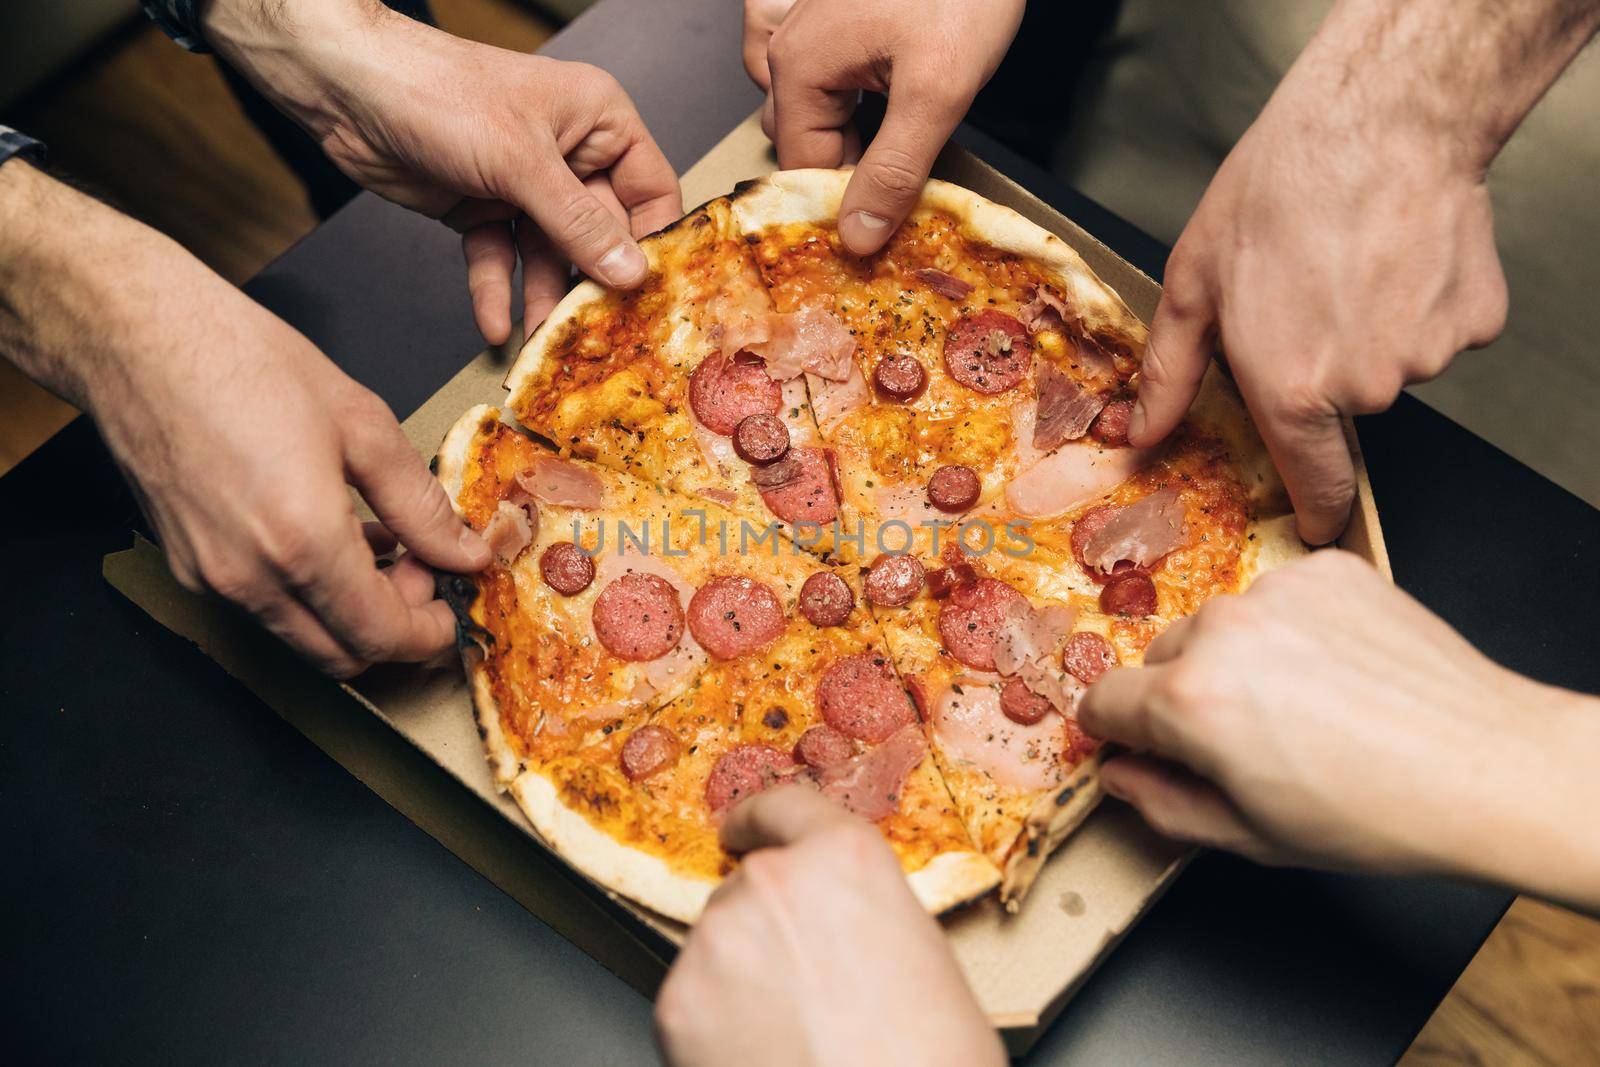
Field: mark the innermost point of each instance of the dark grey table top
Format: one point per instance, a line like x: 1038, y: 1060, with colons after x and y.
x: 190, y: 879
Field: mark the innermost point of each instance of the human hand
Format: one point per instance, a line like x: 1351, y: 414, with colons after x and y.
x: 1344, y: 250
x: 1323, y: 717
x: 815, y: 952
x: 527, y: 156
x: 239, y: 439
x: 815, y: 57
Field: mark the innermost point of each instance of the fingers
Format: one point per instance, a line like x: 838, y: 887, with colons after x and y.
x: 1180, y: 805
x: 491, y: 261
x: 1117, y: 707
x: 895, y: 166
x: 779, y: 816
x: 296, y: 626
x: 1175, y: 361
x: 578, y: 222
x: 406, y: 498
x: 545, y: 275
x: 1170, y: 642
x: 808, y: 121
x: 1311, y: 453
x: 645, y: 184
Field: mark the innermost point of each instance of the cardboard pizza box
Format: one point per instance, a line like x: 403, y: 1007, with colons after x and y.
x: 410, y: 735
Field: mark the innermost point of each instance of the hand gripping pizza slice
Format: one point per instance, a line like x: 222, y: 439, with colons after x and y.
x: 983, y: 342
x: 799, y: 688
x: 690, y: 382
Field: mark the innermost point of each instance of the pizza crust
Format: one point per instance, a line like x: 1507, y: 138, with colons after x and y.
x: 1054, y: 817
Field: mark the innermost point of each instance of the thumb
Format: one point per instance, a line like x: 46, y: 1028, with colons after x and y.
x: 889, y: 179
x: 1181, y: 805
x: 1175, y: 360
x: 779, y: 816
x: 407, y: 499
x: 581, y: 225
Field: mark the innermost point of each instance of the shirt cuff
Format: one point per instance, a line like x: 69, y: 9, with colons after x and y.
x: 16, y: 143
x: 180, y: 20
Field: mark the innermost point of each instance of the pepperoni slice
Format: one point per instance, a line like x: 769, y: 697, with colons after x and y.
x: 893, y: 581
x: 1080, y: 746
x: 722, y: 392
x: 1129, y: 593
x: 988, y: 352
x: 826, y: 599
x: 1022, y: 705
x: 823, y: 746
x: 1110, y: 427
x: 760, y: 438
x: 638, y: 617
x: 566, y: 568
x: 649, y: 750
x: 954, y: 488
x: 743, y: 771
x: 732, y: 616
x: 1089, y: 524
x: 899, y: 376
x: 861, y: 698
x: 1087, y: 656
x: 971, y: 618
x: 808, y: 494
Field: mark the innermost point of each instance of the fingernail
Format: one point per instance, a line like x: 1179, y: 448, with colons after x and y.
x: 472, y: 544
x: 869, y: 220
x: 1136, y: 420
x: 623, y: 266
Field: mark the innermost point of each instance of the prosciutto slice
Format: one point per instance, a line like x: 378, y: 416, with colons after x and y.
x: 811, y: 340
x: 511, y: 530
x: 943, y: 283
x: 1028, y: 648
x: 1142, y: 532
x: 1073, y: 474
x: 562, y: 483
x: 1046, y: 311
x: 970, y: 727
x: 832, y: 402
x: 1063, y: 409
x: 870, y: 782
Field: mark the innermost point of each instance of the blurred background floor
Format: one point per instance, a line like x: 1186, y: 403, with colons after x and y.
x: 155, y: 131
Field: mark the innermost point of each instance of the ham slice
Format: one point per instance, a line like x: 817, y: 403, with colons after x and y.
x: 1028, y: 648
x: 811, y: 340
x: 943, y: 283
x: 1142, y: 532
x: 1063, y: 409
x: 971, y: 728
x: 1073, y: 474
x: 715, y: 449
x: 870, y: 782
x: 796, y: 412
x: 907, y: 503
x: 832, y: 402
x: 562, y: 483
x: 741, y: 316
x: 1046, y: 311
x: 511, y: 530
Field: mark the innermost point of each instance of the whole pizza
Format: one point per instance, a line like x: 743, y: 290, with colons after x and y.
x: 867, y: 524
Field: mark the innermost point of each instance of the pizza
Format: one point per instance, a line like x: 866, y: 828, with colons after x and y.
x: 871, y: 525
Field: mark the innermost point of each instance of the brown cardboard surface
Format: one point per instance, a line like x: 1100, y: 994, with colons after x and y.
x: 409, y: 735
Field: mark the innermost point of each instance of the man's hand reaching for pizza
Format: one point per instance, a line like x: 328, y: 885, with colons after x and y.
x: 1345, y: 247
x: 1326, y: 718
x: 815, y: 57
x: 239, y: 438
x: 814, y: 952
x: 528, y: 157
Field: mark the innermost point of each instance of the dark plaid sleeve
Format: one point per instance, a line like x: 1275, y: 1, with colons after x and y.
x: 15, y: 143
x: 178, y: 19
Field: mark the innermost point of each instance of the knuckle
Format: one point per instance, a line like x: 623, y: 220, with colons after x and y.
x: 894, y: 175
x: 585, y: 222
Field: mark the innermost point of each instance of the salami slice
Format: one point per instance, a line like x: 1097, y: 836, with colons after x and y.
x: 893, y: 581
x: 861, y: 698
x: 954, y: 488
x: 760, y: 438
x: 826, y: 599
x: 988, y: 352
x: 638, y: 617
x: 1111, y: 427
x: 971, y: 618
x: 743, y: 771
x: 732, y: 616
x: 566, y: 568
x: 1022, y: 705
x: 808, y: 495
x: 823, y: 746
x: 1087, y: 656
x: 723, y: 392
x: 1129, y: 593
x: 899, y: 376
x: 649, y: 750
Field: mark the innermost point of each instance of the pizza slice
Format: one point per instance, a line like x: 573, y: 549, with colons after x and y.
x: 690, y: 382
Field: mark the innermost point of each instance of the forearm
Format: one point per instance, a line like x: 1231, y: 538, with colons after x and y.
x: 1461, y: 74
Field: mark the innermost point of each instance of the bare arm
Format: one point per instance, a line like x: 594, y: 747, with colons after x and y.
x: 1345, y: 247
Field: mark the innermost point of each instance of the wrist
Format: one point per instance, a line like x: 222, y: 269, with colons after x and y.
x: 305, y: 56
